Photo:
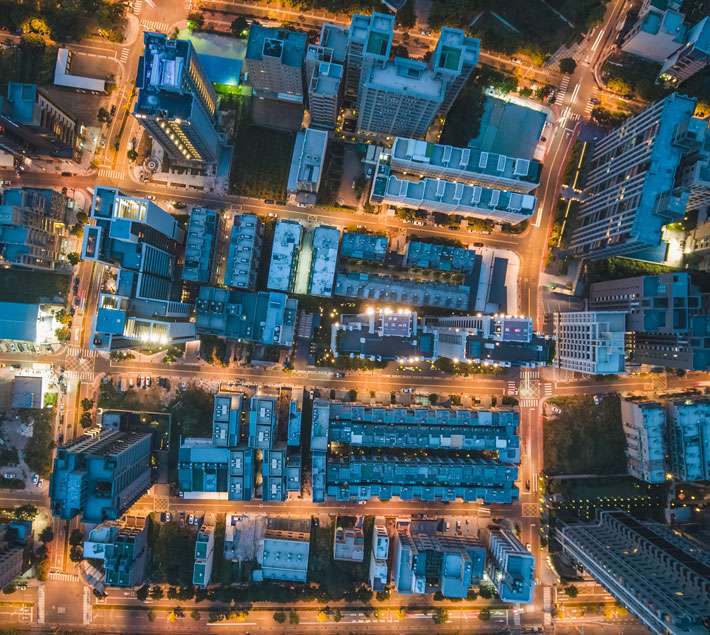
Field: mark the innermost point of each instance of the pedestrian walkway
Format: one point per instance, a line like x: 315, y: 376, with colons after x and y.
x: 562, y: 90
x: 137, y: 7
x: 123, y: 58
x: 63, y: 577
x: 117, y: 175
x: 154, y: 25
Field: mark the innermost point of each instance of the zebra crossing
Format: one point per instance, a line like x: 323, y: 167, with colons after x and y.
x: 528, y: 403
x: 117, y: 175
x: 123, y: 58
x: 154, y: 25
x: 63, y: 577
x: 137, y: 6
x: 562, y: 90
x: 548, y: 390
x: 83, y: 353
x: 512, y: 388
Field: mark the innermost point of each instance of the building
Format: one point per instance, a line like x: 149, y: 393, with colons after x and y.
x: 65, y: 78
x: 659, y: 574
x: 200, y: 243
x: 176, y: 102
x: 364, y: 246
x: 273, y: 470
x: 425, y: 255
x: 206, y: 471
x: 658, y: 32
x: 694, y: 173
x: 141, y: 297
x: 34, y: 124
x: 379, y: 573
x: 426, y: 560
x: 15, y: 542
x: 262, y: 421
x: 245, y: 243
x: 32, y: 227
x: 369, y: 41
x: 282, y: 552
x: 689, y: 439
x: 262, y: 317
x: 99, y: 476
x: 644, y: 424
x: 630, y: 184
x: 349, y: 542
x: 306, y: 169
x: 284, y: 255
x: 324, y: 258
x: 472, y: 166
x: 324, y: 88
x: 691, y: 57
x: 123, y: 549
x: 274, y: 62
x: 590, y: 341
x: 510, y: 566
x: 35, y: 323
x: 453, y: 60
x: 204, y: 557
x: 227, y: 411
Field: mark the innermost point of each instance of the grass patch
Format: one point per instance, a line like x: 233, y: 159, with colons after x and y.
x: 617, y: 267
x: 585, y: 439
x: 26, y: 285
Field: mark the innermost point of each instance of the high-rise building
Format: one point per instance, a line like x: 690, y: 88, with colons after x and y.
x: 141, y: 301
x: 307, y: 162
x: 631, y: 184
x: 274, y: 62
x: 590, y: 341
x: 244, y: 253
x: 176, y: 102
x: 658, y: 32
x: 369, y: 41
x: 99, y: 476
x: 691, y: 57
x: 510, y: 566
x: 657, y: 573
x: 453, y: 60
x: 689, y: 439
x: 123, y: 549
x: 32, y: 225
x: 644, y: 424
x: 324, y: 94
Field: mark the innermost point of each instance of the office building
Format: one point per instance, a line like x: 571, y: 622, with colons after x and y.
x: 307, y: 162
x: 32, y: 227
x: 176, y: 102
x: 454, y: 58
x: 426, y: 560
x: 510, y: 566
x: 631, y: 176
x: 282, y: 552
x: 369, y: 41
x: 284, y: 255
x: 245, y: 243
x: 364, y: 246
x: 324, y: 88
x: 379, y: 573
x: 99, y: 476
x: 141, y: 298
x: 590, y: 341
x: 204, y: 557
x: 689, y: 439
x: 33, y: 124
x: 689, y: 58
x: 262, y: 317
x: 644, y: 424
x: 200, y: 243
x: 349, y: 542
x: 274, y: 62
x: 471, y: 166
x: 658, y: 32
x: 323, y: 247
x: 123, y: 549
x: 657, y: 573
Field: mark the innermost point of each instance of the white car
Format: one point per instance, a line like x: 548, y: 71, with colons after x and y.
x: 35, y: 479
x: 191, y: 519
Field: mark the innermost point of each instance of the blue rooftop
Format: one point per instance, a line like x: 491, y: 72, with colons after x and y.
x: 288, y: 46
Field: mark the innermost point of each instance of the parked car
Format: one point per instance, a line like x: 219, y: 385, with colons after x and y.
x: 191, y: 519
x: 339, y: 375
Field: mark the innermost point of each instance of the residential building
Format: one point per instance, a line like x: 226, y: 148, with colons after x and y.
x: 658, y: 32
x: 335, y: 38
x: 454, y: 58
x: 426, y: 560
x: 273, y: 469
x: 202, y: 235
x: 176, y: 102
x: 27, y: 392
x: 464, y: 165
x: 324, y: 258
x: 32, y: 226
x: 284, y: 255
x: 99, y: 476
x: 369, y: 41
x: 424, y: 255
x: 306, y: 169
x: 644, y: 424
x: 262, y: 421
x: 590, y: 341
x: 659, y: 574
x: 694, y: 172
x: 36, y: 125
x: 282, y: 552
x: 204, y: 557
x: 245, y: 243
x: 691, y: 57
x: 324, y: 88
x: 35, y: 323
x: 274, y: 62
x: 630, y: 184
x: 206, y: 471
x: 379, y: 573
x: 349, y: 542
x: 262, y: 317
x: 364, y: 246
x: 123, y: 549
x: 510, y: 566
x: 227, y: 411
x: 141, y: 297
x: 689, y: 438
x: 15, y: 544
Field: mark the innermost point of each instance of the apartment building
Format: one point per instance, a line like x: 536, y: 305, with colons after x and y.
x: 658, y: 32
x: 690, y: 57
x: 284, y: 255
x: 510, y: 566
x: 202, y: 235
x: 123, y: 549
x: 245, y: 243
x: 307, y: 164
x: 644, y: 424
x: 369, y: 41
x: 204, y: 557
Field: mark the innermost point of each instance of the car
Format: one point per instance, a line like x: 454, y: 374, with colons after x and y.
x: 148, y: 381
x: 77, y: 301
x: 113, y: 110
x: 150, y: 197
x: 75, y: 284
x: 179, y: 205
x: 407, y: 390
x: 168, y: 517
x: 8, y: 475
x: 527, y: 485
x: 597, y: 399
x: 191, y: 519
x: 67, y: 174
x: 35, y: 479
x: 272, y: 214
x: 269, y: 201
x: 595, y: 100
x: 528, y: 547
x: 130, y: 382
x: 339, y: 375
x: 478, y: 244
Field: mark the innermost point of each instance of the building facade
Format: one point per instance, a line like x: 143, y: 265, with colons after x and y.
x: 644, y: 426
x: 200, y: 242
x: 123, y: 550
x: 691, y: 57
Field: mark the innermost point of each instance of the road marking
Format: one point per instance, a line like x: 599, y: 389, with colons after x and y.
x: 562, y: 90
x: 596, y: 42
x: 124, y: 56
x: 548, y: 390
x: 153, y: 25
x: 137, y: 6
x: 117, y: 175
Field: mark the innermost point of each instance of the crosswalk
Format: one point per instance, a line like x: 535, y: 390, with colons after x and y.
x: 590, y: 103
x: 83, y: 353
x: 528, y: 403
x: 548, y: 390
x: 137, y: 6
x: 117, y: 175
x: 562, y: 90
x: 154, y: 25
x: 512, y: 388
x: 63, y: 577
x: 123, y: 58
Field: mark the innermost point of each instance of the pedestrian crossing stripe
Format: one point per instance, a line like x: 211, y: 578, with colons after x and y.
x: 137, y: 6
x: 78, y: 351
x: 152, y: 25
x: 112, y: 174
x: 548, y: 389
x: 124, y: 56
x: 562, y: 90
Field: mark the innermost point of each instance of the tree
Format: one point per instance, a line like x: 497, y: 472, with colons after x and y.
x: 195, y: 20
x: 142, y: 593
x: 240, y: 27
x: 151, y: 615
x: 103, y: 115
x: 337, y: 615
x: 86, y: 420
x: 172, y: 593
x: 156, y: 592
x: 81, y: 217
x: 76, y: 553
x: 9, y: 588
x: 46, y: 535
x: 25, y: 512
x: 132, y: 154
x: 195, y: 614
x: 87, y: 404
x: 62, y: 334
x: 485, y: 592
x: 618, y: 85
x: 42, y: 570
x: 567, y: 65
x: 293, y: 617
x: 400, y: 51
x: 484, y: 615
x: 571, y: 591
x: 73, y: 258
x: 440, y: 616
x: 433, y: 398
x: 279, y: 617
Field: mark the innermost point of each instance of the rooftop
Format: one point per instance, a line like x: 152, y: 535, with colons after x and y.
x: 324, y: 260
x: 407, y: 76
x: 288, y: 46
x: 284, y: 255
